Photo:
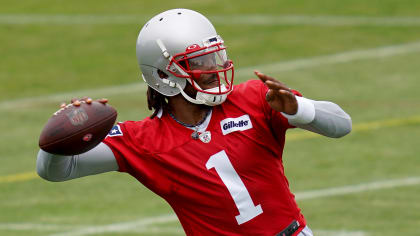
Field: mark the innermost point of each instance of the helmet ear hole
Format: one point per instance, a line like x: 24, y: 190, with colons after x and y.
x: 162, y: 74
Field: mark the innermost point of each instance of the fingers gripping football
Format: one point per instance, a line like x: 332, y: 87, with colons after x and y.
x: 279, y: 96
x: 77, y: 127
x: 88, y: 100
x: 77, y: 102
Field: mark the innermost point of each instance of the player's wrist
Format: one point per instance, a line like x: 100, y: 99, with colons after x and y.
x: 305, y: 112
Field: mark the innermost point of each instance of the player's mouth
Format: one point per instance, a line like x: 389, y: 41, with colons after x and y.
x: 210, y: 82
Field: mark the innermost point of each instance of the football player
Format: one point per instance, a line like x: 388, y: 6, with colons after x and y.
x: 212, y: 150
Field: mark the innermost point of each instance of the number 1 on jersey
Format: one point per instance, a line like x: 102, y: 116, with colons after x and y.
x: 237, y: 189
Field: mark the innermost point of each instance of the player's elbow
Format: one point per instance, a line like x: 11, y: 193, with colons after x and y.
x: 46, y: 176
x: 44, y: 168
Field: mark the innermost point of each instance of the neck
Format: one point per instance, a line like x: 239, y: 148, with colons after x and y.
x: 186, y: 112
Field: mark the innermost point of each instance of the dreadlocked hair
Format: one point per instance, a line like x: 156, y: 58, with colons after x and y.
x: 155, y: 101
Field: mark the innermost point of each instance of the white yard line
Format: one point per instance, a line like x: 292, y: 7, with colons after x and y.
x: 36, y: 227
x: 65, y: 97
x: 179, y: 231
x: 120, y: 227
x: 320, y: 20
x: 63, y: 19
x: 364, y: 187
x: 144, y: 229
x: 342, y: 57
x: 160, y: 230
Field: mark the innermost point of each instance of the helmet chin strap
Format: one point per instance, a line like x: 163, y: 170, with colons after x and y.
x: 204, y: 98
x: 186, y: 96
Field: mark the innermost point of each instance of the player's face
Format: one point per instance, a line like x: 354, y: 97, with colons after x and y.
x: 207, y: 63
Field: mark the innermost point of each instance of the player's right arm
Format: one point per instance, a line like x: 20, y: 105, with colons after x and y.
x: 56, y: 168
x: 61, y: 168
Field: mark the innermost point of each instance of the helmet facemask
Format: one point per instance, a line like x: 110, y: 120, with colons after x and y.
x: 208, y: 66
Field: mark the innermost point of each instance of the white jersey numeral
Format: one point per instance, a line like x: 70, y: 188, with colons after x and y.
x: 237, y: 189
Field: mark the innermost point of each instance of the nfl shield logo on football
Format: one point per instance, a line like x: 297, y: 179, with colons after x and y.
x: 205, y: 137
x: 77, y: 116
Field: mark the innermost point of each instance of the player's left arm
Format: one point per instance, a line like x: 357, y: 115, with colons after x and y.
x: 321, y: 117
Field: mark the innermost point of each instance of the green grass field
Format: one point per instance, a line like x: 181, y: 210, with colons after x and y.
x: 363, y: 55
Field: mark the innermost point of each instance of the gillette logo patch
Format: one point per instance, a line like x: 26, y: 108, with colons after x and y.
x: 230, y: 125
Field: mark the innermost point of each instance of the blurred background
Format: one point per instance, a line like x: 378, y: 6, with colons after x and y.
x: 363, y: 55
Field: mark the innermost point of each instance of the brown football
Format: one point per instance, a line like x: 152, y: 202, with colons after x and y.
x: 77, y: 129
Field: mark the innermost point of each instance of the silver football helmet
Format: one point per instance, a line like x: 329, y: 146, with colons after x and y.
x: 184, y: 45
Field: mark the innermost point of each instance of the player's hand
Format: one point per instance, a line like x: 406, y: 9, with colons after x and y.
x: 279, y: 96
x: 76, y: 101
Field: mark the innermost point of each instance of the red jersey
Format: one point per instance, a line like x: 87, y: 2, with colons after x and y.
x: 231, y: 182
